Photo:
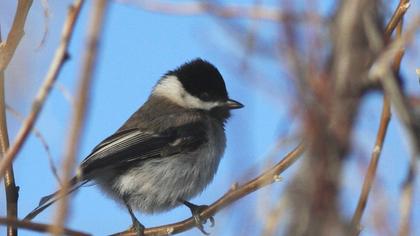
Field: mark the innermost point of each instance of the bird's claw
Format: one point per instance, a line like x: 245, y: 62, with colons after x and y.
x: 138, y: 228
x: 196, y: 211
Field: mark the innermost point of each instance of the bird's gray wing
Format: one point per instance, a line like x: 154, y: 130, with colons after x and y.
x: 128, y: 147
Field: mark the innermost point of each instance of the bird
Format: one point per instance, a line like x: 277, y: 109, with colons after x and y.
x: 168, y: 151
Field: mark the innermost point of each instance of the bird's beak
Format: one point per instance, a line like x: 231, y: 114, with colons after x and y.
x: 232, y: 104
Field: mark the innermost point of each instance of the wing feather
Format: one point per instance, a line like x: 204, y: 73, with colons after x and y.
x: 134, y: 145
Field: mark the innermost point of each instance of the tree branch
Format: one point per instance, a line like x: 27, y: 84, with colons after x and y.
x: 81, y: 107
x: 12, y: 191
x: 7, y: 50
x: 42, y: 228
x: 258, y: 12
x: 59, y: 58
x: 234, y: 194
x: 396, y: 20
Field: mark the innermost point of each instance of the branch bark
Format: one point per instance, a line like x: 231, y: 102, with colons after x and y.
x: 81, y: 107
x: 60, y: 57
x: 37, y: 227
x: 7, y: 50
x: 396, y: 20
x: 226, y: 11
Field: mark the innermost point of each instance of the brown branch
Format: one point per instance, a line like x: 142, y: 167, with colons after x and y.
x: 37, y: 227
x: 12, y: 191
x: 59, y: 58
x: 7, y: 50
x: 371, y: 171
x: 236, y: 193
x: 41, y: 139
x: 81, y: 106
x: 406, y: 200
x: 259, y: 12
x: 382, y: 71
x: 396, y: 17
x: 396, y: 20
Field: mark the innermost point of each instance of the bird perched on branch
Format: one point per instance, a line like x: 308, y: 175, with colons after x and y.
x: 168, y: 151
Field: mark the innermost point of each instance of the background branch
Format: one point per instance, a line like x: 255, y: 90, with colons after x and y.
x: 37, y: 227
x: 8, y: 47
x: 7, y: 50
x: 256, y: 12
x: 45, y: 89
x: 81, y: 107
x: 395, y: 21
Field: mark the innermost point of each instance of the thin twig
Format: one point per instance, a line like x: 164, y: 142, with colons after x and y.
x: 7, y: 50
x: 406, y: 201
x: 37, y: 227
x: 381, y: 70
x: 396, y: 17
x: 55, y: 68
x: 406, y: 116
x: 260, y: 12
x: 384, y: 122
x: 271, y: 223
x: 41, y: 139
x: 371, y: 171
x: 9, y: 184
x: 47, y: 15
x: 230, y: 197
x: 81, y: 106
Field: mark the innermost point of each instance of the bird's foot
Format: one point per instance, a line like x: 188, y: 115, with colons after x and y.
x: 196, y: 211
x: 138, y: 228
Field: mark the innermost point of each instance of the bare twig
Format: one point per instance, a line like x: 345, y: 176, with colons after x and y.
x: 231, y: 196
x: 65, y: 92
x: 381, y: 70
x: 47, y: 15
x: 9, y: 183
x: 371, y: 172
x: 229, y: 11
x: 7, y: 50
x: 41, y: 139
x: 9, y: 180
x: 396, y: 17
x: 37, y: 227
x: 383, y: 126
x: 55, y: 67
x: 406, y: 199
x: 274, y: 216
x: 81, y: 106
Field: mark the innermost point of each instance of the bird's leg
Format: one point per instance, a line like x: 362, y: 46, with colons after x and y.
x: 196, y: 211
x: 137, y: 226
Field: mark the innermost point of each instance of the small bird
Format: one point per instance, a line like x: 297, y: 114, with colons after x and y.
x: 168, y: 151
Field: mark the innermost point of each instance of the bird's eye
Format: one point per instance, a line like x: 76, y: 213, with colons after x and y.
x: 205, y: 96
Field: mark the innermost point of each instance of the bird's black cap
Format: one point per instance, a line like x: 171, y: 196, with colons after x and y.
x: 201, y: 79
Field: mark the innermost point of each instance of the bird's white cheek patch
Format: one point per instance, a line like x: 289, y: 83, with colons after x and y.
x: 193, y: 102
x: 171, y: 88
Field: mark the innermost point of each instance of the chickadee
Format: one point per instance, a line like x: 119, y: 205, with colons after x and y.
x: 167, y: 151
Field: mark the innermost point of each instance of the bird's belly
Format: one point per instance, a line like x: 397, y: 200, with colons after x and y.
x: 158, y: 185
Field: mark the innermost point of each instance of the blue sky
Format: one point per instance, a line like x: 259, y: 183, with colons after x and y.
x: 137, y: 48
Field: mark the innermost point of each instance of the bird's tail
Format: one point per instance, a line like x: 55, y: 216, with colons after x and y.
x: 48, y: 200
